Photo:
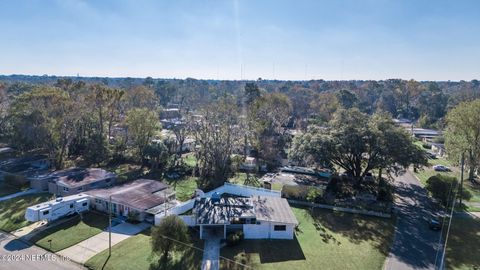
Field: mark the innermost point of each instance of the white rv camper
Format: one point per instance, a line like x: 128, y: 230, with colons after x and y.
x: 58, y: 208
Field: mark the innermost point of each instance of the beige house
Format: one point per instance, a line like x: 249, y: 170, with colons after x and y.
x: 73, y: 181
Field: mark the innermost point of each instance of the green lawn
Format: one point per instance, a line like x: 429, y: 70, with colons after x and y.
x: 184, y: 187
x: 71, y: 232
x: 126, y: 171
x: 136, y: 253
x: 12, y: 211
x: 324, y: 240
x: 463, y: 246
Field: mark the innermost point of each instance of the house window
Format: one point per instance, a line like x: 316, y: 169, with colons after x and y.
x: 253, y: 221
x: 80, y: 188
x: 65, y: 189
x: 107, y: 180
x: 280, y: 228
x: 84, y: 204
x: 45, y: 212
x: 71, y: 205
x: 98, y: 201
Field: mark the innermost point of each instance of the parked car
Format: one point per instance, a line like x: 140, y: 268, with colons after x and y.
x: 435, y: 224
x: 441, y: 168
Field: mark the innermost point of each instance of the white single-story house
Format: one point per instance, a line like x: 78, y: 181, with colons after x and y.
x: 259, y: 217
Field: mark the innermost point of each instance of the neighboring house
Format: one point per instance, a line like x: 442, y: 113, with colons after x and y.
x: 25, y: 166
x: 140, y: 199
x: 170, y: 113
x: 438, y: 149
x: 73, y: 181
x: 259, y: 217
x: 425, y: 134
x: 250, y: 164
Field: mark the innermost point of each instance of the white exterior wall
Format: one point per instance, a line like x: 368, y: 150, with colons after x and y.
x: 239, y: 190
x: 253, y: 231
x: 188, y: 219
x: 287, y: 234
x: 265, y: 230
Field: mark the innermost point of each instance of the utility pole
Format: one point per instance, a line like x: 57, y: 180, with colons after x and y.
x: 462, y: 162
x: 110, y: 227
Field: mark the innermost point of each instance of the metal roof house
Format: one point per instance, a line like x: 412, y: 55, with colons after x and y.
x: 260, y: 217
x: 140, y: 199
x: 73, y: 180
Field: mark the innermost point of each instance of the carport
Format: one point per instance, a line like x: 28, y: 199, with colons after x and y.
x: 213, y: 229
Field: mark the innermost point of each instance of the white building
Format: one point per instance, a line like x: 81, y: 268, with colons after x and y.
x: 258, y: 217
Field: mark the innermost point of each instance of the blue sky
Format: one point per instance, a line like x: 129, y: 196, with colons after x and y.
x: 223, y: 39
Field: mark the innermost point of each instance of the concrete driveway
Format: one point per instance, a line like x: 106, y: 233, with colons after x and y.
x: 19, y: 255
x: 211, y: 251
x: 415, y: 246
x: 88, y: 248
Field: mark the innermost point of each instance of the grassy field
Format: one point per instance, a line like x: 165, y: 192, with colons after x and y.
x: 71, y: 232
x: 184, y: 187
x: 324, y: 240
x: 12, y: 211
x: 136, y: 253
x: 463, y: 246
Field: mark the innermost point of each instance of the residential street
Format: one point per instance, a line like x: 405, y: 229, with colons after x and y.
x: 15, y: 254
x: 415, y: 245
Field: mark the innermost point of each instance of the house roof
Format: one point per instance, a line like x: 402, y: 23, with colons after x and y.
x: 274, y: 209
x: 141, y: 194
x: 210, y: 211
x: 76, y: 177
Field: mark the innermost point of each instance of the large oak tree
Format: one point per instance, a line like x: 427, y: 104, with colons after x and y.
x: 357, y: 143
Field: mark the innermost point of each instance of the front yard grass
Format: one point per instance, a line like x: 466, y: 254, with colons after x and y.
x: 463, y: 244
x: 136, y: 253
x: 71, y: 232
x: 324, y: 240
x: 12, y: 211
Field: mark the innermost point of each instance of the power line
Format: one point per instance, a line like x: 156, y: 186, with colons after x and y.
x: 201, y: 249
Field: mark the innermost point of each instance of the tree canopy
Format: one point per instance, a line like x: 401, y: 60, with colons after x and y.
x: 357, y: 143
x: 463, y: 134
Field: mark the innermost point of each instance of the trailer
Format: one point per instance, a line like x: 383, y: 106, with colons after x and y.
x: 58, y: 208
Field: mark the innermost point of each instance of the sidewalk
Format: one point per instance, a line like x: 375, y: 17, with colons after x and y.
x: 90, y: 247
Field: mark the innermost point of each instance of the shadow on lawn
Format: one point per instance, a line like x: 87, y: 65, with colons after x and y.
x: 269, y: 251
x: 356, y: 228
x: 463, y: 243
x: 191, y: 258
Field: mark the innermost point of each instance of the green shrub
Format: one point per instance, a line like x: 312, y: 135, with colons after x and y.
x: 234, y: 238
x: 443, y: 188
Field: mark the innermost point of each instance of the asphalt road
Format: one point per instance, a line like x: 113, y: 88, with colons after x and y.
x: 16, y: 254
x: 415, y: 245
